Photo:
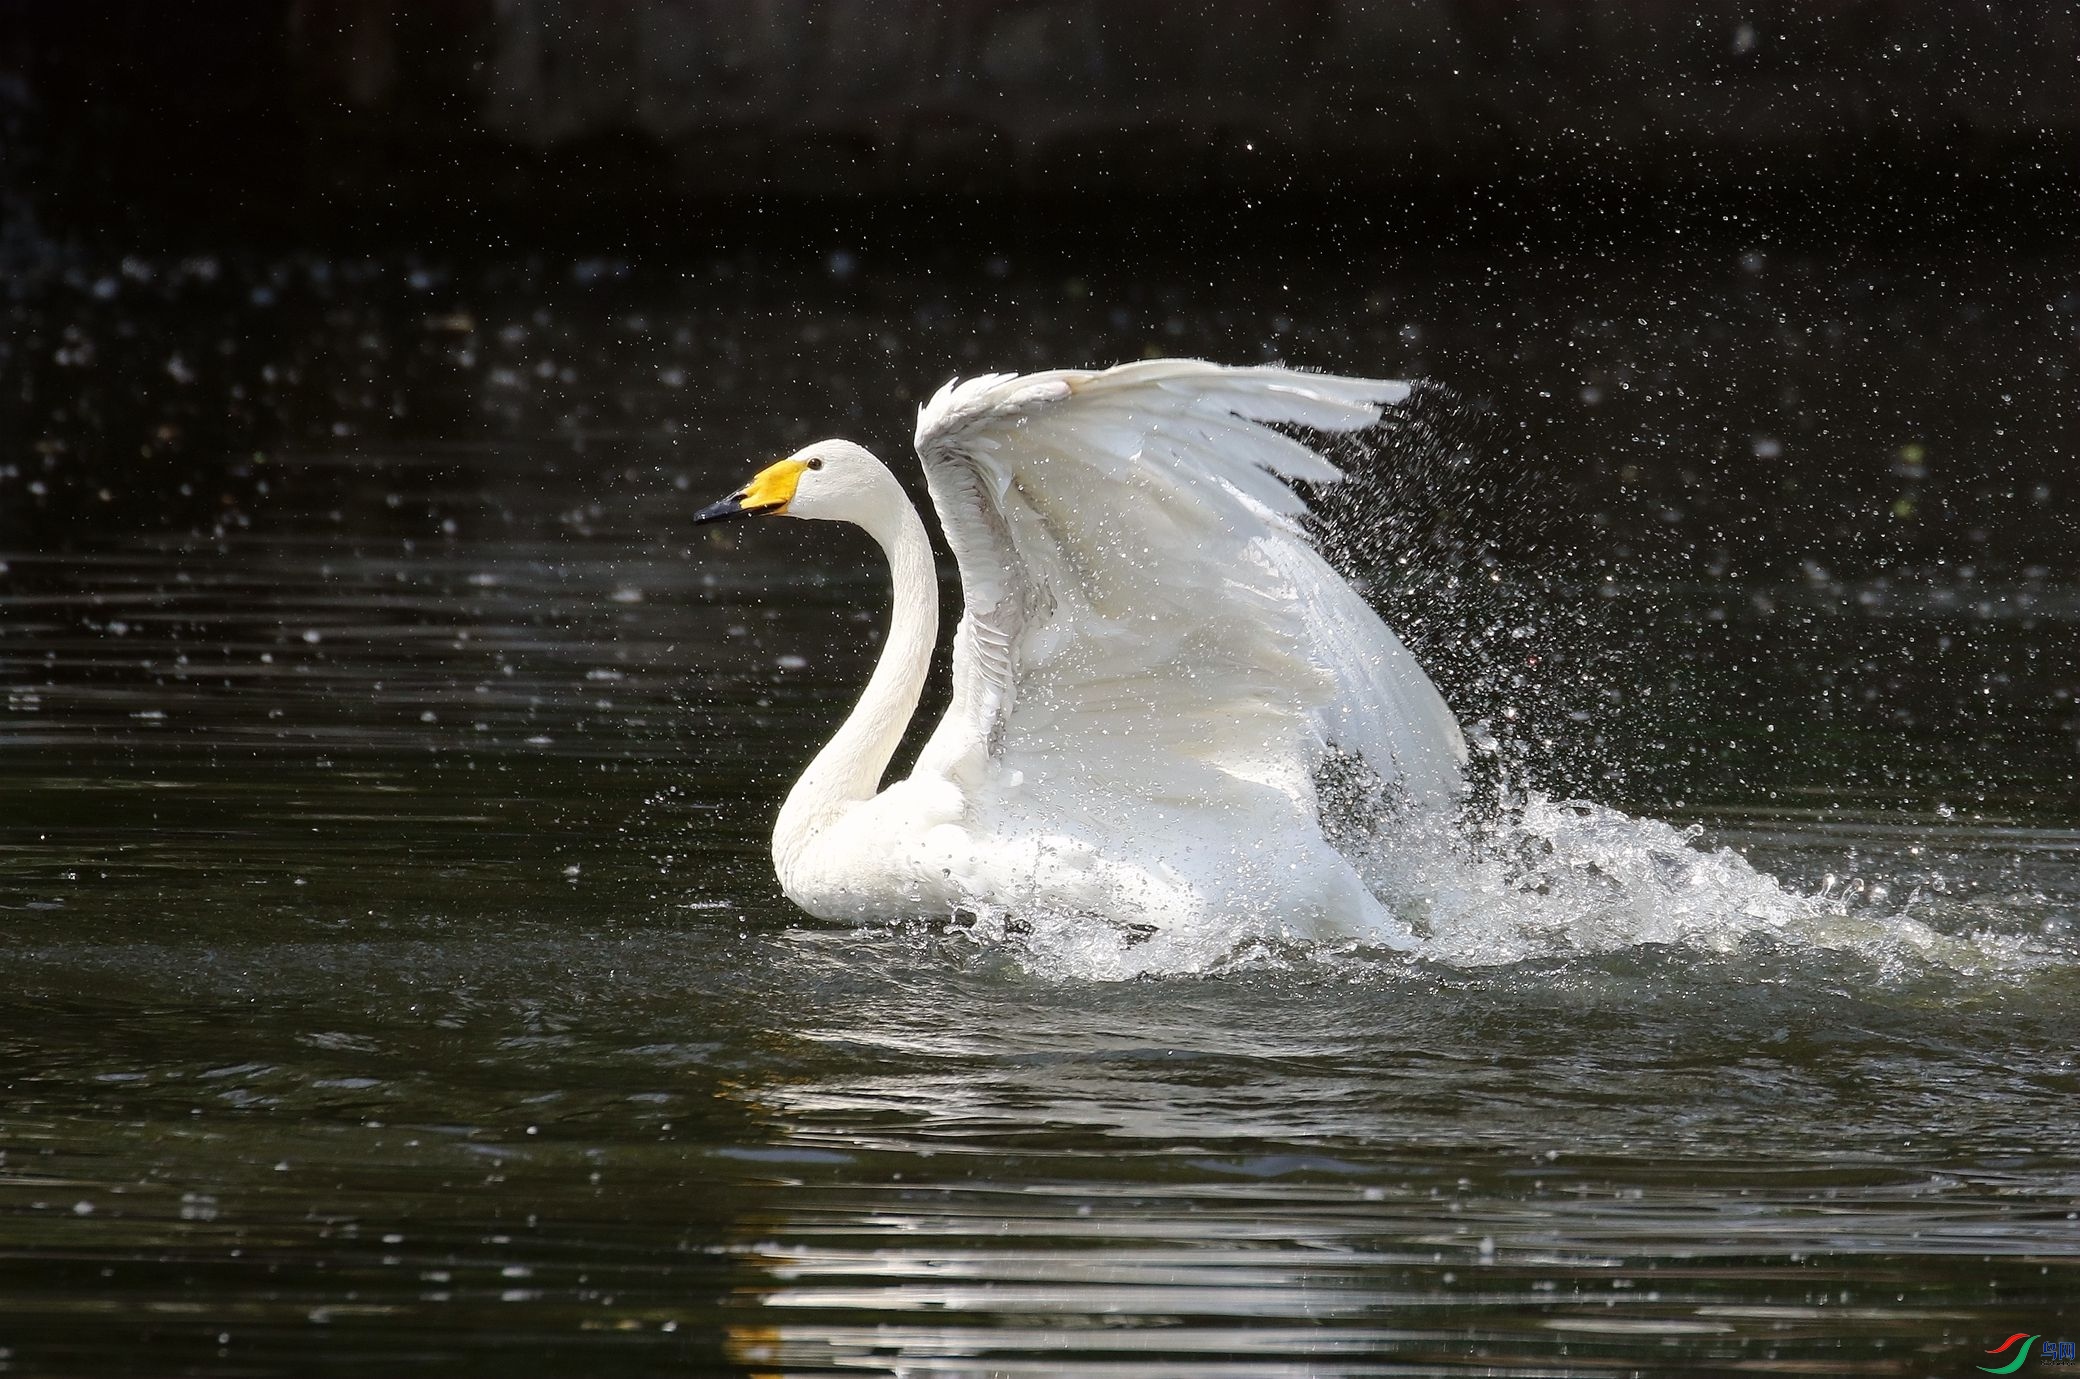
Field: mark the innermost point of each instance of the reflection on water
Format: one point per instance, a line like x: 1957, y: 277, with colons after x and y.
x: 1316, y: 1170
x: 396, y: 981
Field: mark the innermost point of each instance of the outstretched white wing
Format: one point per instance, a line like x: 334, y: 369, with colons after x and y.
x: 1145, y: 614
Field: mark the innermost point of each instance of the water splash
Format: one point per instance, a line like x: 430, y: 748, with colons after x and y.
x: 1547, y: 878
x: 1539, y: 880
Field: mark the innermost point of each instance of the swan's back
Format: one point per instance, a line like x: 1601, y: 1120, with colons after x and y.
x: 1152, y: 646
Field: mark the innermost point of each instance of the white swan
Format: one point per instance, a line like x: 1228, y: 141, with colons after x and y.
x: 1153, y: 668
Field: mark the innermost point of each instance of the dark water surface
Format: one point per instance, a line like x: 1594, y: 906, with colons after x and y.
x: 396, y: 982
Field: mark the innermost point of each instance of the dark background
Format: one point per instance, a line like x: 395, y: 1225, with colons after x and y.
x: 645, y: 117
x: 1724, y: 287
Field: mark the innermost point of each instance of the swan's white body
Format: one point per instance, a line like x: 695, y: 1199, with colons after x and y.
x: 1152, y: 667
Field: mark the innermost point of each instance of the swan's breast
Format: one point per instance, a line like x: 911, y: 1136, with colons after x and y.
x: 901, y: 854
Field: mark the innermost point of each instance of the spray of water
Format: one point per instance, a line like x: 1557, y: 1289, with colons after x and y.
x: 1540, y: 880
x: 1519, y: 874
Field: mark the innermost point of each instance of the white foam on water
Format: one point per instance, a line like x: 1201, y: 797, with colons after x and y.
x: 1551, y: 878
x: 1538, y: 880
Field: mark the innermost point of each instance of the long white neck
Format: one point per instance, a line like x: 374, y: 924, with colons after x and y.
x: 848, y: 770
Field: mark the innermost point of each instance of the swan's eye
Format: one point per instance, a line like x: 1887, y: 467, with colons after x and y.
x: 816, y: 464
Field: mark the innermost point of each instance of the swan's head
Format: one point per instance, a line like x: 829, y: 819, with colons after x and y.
x: 833, y: 480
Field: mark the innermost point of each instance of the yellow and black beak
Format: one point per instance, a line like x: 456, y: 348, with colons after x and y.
x: 730, y: 507
x: 769, y: 492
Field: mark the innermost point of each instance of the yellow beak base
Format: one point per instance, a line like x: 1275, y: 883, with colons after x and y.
x: 768, y: 494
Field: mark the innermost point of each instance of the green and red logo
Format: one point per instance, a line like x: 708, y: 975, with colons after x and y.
x: 2053, y: 1353
x: 2020, y: 1343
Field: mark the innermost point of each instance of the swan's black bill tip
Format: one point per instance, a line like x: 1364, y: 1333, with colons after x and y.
x: 733, y: 507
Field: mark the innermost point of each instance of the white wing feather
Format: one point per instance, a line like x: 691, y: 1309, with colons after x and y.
x: 1145, y: 615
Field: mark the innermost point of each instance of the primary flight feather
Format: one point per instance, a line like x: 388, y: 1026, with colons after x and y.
x: 1154, y: 668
